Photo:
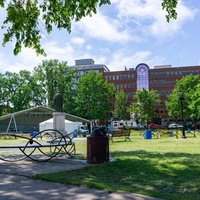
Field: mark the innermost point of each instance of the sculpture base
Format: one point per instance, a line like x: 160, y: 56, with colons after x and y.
x: 59, y: 121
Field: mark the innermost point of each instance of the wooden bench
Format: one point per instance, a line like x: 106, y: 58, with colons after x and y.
x: 37, y: 150
x: 120, y: 133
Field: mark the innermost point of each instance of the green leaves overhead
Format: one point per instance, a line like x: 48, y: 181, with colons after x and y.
x: 170, y: 7
x: 27, y: 20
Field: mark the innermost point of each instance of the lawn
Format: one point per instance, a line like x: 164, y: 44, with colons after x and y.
x: 166, y: 168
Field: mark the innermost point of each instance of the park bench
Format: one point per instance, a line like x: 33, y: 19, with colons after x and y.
x: 52, y: 143
x: 120, y: 133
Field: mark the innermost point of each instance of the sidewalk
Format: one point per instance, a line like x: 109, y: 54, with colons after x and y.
x: 16, y: 183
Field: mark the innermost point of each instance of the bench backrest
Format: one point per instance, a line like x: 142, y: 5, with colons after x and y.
x: 126, y: 132
x: 117, y: 133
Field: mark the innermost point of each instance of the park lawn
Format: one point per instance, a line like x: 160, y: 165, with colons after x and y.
x: 166, y: 168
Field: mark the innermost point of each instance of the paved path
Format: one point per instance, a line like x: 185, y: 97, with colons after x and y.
x: 16, y: 183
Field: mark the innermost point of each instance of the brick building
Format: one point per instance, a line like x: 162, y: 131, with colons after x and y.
x: 160, y: 78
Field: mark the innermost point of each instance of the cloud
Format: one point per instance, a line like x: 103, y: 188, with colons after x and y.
x: 78, y: 40
x: 149, y: 17
x: 130, y: 59
x: 104, y: 28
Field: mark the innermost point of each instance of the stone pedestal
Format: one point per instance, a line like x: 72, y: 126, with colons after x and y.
x: 59, y: 121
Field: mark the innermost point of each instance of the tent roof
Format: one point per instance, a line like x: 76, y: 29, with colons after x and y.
x: 44, y: 110
x: 51, y: 120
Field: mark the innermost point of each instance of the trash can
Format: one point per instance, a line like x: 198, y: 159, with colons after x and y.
x: 74, y: 133
x: 34, y: 134
x: 97, y: 149
x: 147, y: 134
x: 84, y: 133
x: 189, y: 130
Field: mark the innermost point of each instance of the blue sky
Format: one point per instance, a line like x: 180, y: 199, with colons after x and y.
x: 125, y: 33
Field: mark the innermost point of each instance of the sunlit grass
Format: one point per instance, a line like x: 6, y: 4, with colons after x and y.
x: 167, y: 168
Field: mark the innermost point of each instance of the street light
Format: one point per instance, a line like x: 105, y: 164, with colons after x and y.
x: 181, y: 98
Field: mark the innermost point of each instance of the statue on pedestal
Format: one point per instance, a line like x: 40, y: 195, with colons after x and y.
x: 58, y: 102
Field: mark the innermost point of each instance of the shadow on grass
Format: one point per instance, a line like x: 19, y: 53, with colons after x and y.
x: 163, y: 175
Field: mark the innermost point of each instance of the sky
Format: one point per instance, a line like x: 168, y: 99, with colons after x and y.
x: 123, y: 34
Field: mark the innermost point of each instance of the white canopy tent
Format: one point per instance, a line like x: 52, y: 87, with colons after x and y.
x: 48, y: 124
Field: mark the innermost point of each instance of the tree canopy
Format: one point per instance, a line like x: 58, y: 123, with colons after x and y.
x: 55, y: 76
x: 120, y: 105
x: 189, y: 88
x: 144, y: 104
x: 19, y: 91
x: 93, y: 95
x: 27, y: 20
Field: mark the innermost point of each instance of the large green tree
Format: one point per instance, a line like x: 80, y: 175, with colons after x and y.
x: 144, y: 104
x: 55, y: 76
x: 26, y: 17
x: 188, y: 87
x: 20, y: 91
x: 120, y: 105
x: 93, y: 95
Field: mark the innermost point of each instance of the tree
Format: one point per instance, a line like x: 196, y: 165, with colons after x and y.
x: 93, y: 95
x: 144, y: 104
x: 120, y: 105
x: 23, y: 18
x: 20, y: 91
x: 55, y: 76
x: 195, y: 105
x: 188, y: 86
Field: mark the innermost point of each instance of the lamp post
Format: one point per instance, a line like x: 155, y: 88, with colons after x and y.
x: 181, y: 98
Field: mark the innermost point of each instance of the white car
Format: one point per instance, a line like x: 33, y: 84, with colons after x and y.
x: 175, y: 126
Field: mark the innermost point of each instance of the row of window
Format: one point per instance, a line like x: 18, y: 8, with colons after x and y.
x: 164, y: 93
x: 119, y: 77
x: 79, y: 73
x: 172, y: 74
x: 124, y: 86
x: 163, y: 84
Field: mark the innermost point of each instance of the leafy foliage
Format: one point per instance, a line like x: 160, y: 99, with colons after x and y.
x: 20, y: 91
x: 25, y: 19
x: 55, y: 76
x: 170, y: 7
x: 120, y: 105
x: 188, y: 86
x: 93, y: 95
x: 144, y: 104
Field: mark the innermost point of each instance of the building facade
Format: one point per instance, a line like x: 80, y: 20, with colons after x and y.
x: 160, y: 78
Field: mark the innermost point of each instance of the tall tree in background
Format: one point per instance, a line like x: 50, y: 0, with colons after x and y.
x: 195, y: 105
x: 93, y: 95
x: 144, y: 105
x: 55, y: 76
x: 22, y: 23
x: 188, y: 87
x: 20, y: 91
x: 120, y: 105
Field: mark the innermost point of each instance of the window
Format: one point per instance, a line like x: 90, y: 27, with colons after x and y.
x: 142, y: 77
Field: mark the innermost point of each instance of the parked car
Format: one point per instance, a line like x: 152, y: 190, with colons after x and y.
x: 154, y: 126
x: 175, y: 126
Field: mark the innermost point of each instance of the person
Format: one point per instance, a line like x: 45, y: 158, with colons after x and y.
x: 58, y: 102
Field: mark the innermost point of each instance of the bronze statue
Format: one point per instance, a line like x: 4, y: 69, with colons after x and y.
x: 58, y: 102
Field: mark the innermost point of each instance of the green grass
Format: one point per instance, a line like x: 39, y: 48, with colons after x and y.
x: 166, y: 168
